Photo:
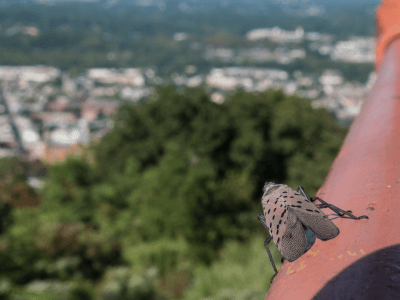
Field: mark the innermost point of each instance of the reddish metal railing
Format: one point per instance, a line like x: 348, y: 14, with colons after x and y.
x: 363, y: 262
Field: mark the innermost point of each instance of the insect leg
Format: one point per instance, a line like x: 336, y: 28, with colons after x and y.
x: 261, y: 218
x: 340, y: 212
x: 270, y: 257
x: 301, y: 190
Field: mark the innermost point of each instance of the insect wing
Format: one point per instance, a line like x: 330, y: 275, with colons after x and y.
x: 311, y: 216
x: 284, y: 227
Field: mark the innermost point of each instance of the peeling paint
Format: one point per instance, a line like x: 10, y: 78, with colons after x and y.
x: 302, y: 265
x: 362, y: 251
x: 313, y: 253
x: 289, y: 272
x: 351, y: 254
x: 340, y: 256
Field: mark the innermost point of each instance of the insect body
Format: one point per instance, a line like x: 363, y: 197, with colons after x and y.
x: 294, y: 221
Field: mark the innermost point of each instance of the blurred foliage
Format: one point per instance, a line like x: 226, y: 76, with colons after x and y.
x: 119, y: 284
x: 242, y: 273
x: 14, y: 189
x: 166, y: 207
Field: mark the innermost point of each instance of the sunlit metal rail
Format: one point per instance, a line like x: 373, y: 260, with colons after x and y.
x: 363, y: 261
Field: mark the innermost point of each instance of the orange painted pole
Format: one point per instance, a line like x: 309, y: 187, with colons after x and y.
x: 363, y: 261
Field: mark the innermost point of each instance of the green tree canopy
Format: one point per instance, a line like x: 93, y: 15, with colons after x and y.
x: 201, y: 165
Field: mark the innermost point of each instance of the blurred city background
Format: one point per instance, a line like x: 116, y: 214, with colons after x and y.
x: 136, y: 136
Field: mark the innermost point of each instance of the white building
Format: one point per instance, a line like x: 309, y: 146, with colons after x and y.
x: 37, y: 74
x: 276, y: 34
x: 129, y: 76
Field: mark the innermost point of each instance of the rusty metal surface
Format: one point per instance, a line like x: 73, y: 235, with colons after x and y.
x: 363, y: 261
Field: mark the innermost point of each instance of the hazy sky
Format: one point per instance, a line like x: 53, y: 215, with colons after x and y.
x: 330, y: 1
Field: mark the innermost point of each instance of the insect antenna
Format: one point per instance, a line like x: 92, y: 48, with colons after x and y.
x: 301, y: 190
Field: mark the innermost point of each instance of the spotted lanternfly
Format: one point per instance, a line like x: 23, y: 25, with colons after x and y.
x: 294, y: 221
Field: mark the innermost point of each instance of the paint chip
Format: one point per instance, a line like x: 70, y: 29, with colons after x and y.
x: 351, y: 254
x: 290, y: 271
x: 313, y: 253
x: 302, y: 266
x: 340, y: 256
x: 362, y: 251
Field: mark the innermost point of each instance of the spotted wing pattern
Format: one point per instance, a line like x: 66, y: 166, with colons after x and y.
x: 309, y: 214
x: 284, y: 227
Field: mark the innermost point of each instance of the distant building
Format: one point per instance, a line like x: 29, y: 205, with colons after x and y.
x: 129, y: 76
x: 218, y: 80
x: 37, y: 74
x: 276, y: 34
x: 8, y: 149
x: 54, y: 118
x: 54, y: 153
x: 92, y: 109
x: 356, y: 50
x: 180, y: 36
x: 58, y: 105
x: 331, y: 77
x: 194, y: 81
x: 68, y: 85
x: 30, y: 30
